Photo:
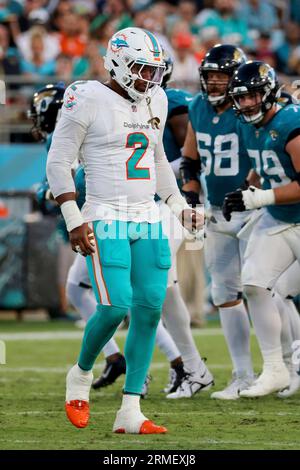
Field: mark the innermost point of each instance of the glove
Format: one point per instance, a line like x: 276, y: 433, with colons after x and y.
x: 252, y: 198
x: 191, y: 197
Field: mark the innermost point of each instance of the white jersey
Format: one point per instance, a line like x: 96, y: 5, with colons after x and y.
x: 122, y: 153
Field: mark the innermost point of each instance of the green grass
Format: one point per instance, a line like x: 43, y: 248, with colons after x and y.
x: 32, y: 414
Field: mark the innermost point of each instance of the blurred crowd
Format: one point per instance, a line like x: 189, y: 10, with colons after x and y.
x: 47, y: 40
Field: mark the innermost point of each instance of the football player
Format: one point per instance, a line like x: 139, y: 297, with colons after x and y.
x: 118, y: 126
x: 212, y: 146
x: 272, y: 137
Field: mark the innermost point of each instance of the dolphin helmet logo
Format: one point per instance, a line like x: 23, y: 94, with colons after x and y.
x: 118, y: 42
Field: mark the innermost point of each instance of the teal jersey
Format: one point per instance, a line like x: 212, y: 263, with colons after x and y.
x: 178, y: 103
x: 266, y: 149
x: 224, y: 161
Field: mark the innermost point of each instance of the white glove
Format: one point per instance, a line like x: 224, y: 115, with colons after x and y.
x: 254, y: 198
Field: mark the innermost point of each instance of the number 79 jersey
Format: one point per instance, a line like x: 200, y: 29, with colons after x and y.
x: 266, y: 149
x: 223, y: 160
x: 118, y: 151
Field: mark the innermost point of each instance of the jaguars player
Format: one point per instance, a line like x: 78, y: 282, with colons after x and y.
x: 118, y: 127
x: 271, y: 134
x: 212, y: 142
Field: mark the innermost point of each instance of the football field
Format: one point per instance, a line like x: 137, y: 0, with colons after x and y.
x: 32, y: 388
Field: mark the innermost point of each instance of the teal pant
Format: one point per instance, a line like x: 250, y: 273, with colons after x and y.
x: 128, y: 270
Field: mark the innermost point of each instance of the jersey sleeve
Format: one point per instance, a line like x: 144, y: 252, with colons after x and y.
x: 78, y: 112
x: 290, y: 124
x: 178, y: 102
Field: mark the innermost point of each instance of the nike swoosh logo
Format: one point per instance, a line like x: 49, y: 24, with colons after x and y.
x: 106, y: 373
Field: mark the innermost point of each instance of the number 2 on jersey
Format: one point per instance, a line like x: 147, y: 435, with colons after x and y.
x: 139, y: 142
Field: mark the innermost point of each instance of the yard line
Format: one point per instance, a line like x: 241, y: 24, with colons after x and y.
x: 73, y: 335
x: 98, y: 367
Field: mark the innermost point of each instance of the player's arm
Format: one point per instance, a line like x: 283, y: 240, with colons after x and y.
x: 67, y: 139
x: 254, y: 198
x: 190, y: 168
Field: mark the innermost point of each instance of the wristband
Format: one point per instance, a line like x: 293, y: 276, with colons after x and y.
x: 72, y: 215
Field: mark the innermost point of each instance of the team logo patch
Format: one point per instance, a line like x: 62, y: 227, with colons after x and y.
x: 273, y: 134
x: 70, y: 102
x: 118, y: 42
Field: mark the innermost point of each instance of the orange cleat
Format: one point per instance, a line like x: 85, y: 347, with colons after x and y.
x: 148, y: 427
x: 78, y: 412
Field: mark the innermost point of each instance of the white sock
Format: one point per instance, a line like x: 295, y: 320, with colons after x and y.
x: 166, y: 343
x: 286, y: 331
x: 236, y: 328
x: 85, y: 303
x: 131, y: 402
x: 177, y: 320
x: 266, y: 322
x: 294, y: 318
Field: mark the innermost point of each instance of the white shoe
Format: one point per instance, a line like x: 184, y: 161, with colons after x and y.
x: 231, y: 392
x: 294, y: 384
x: 78, y: 384
x: 193, y: 383
x: 274, y: 377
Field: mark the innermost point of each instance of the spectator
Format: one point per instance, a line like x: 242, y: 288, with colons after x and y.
x: 72, y: 42
x: 264, y: 50
x: 231, y: 28
x: 261, y: 16
x: 30, y: 6
x: 64, y: 68
x: 185, y: 72
x: 91, y: 66
x: 9, y: 61
x: 51, y: 43
x: 285, y: 51
x: 37, y: 65
x: 186, y: 12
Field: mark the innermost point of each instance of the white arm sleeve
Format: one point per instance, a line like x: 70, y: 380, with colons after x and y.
x: 69, y: 134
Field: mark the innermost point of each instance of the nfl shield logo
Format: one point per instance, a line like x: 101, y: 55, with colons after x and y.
x: 134, y: 108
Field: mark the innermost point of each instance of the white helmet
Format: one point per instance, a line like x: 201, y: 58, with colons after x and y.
x: 128, y: 48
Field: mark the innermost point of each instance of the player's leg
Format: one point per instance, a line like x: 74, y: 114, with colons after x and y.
x: 260, y: 272
x: 287, y: 287
x: 109, y: 271
x: 177, y: 320
x: 151, y: 260
x: 81, y: 296
x: 223, y: 257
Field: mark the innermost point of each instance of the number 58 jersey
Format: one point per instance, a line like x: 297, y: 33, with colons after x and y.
x: 118, y: 148
x: 223, y: 160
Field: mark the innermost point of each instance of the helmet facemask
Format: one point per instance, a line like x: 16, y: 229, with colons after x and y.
x: 255, y: 113
x: 207, y: 84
